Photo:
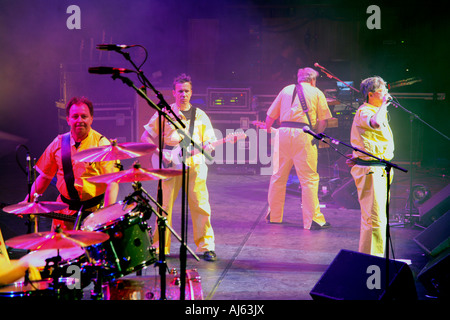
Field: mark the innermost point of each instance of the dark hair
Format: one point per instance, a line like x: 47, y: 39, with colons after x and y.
x: 182, y: 78
x: 371, y: 84
x: 77, y: 101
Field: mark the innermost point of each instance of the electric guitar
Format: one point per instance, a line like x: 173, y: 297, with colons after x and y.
x: 173, y: 159
x: 262, y: 125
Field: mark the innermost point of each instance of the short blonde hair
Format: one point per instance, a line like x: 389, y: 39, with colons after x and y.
x: 306, y: 75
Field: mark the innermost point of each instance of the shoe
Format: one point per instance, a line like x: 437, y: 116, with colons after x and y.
x: 209, y: 256
x: 316, y: 226
x: 268, y: 219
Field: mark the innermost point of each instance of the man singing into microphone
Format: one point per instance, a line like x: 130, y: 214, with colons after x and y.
x: 298, y: 106
x: 371, y: 133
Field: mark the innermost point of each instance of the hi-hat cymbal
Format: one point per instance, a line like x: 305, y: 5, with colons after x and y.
x: 35, y: 207
x: 127, y: 150
x: 58, y: 239
x: 135, y: 174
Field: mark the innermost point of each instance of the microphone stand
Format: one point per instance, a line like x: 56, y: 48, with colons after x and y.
x: 389, y: 165
x: 163, y: 104
x: 180, y: 126
x: 412, y: 117
x: 332, y: 76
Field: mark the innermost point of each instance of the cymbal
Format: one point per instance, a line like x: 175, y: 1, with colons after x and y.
x: 127, y: 150
x: 35, y: 207
x: 135, y: 174
x: 58, y: 239
x: 37, y: 258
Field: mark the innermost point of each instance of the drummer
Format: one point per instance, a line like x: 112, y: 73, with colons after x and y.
x: 71, y: 175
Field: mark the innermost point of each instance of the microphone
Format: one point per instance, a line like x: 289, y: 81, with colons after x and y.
x: 318, y: 66
x: 307, y: 130
x: 109, y: 70
x: 113, y: 47
x: 29, y: 169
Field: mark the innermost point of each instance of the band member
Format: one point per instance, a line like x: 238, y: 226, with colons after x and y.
x: 71, y: 175
x: 371, y: 133
x: 201, y: 130
x: 298, y: 106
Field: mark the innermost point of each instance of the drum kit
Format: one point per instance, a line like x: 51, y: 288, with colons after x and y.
x: 112, y: 242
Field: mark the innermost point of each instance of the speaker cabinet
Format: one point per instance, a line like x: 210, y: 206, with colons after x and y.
x: 435, y: 207
x: 435, y: 276
x: 436, y: 237
x: 358, y: 276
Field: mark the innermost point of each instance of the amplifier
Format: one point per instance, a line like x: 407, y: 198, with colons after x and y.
x: 227, y: 99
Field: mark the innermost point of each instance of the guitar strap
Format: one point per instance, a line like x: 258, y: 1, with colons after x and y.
x: 66, y: 157
x: 193, y: 112
x: 301, y: 97
x: 74, y: 202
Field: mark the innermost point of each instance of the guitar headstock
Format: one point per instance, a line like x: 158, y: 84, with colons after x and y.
x: 260, y: 124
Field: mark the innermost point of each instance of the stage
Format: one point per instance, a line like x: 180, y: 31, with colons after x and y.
x: 256, y: 260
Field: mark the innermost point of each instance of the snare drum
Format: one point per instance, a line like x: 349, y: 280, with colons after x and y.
x: 129, y: 247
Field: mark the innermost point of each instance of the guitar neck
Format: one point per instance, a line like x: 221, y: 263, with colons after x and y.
x: 60, y: 216
x: 214, y: 144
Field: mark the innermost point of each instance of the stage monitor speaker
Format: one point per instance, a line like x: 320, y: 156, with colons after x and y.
x: 347, y: 195
x: 435, y: 276
x: 435, y: 207
x: 435, y: 238
x: 358, y: 276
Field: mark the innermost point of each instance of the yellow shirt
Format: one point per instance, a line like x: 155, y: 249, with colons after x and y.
x: 283, y: 107
x: 378, y: 142
x: 203, y: 131
x: 50, y: 164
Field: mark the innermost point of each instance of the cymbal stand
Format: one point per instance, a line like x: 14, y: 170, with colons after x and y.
x: 137, y: 186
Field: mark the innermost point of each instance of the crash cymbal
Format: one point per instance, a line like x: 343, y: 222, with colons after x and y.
x: 135, y: 174
x: 58, y: 239
x: 127, y: 150
x: 35, y: 207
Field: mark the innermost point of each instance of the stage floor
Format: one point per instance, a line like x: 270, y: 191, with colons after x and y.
x: 256, y: 260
